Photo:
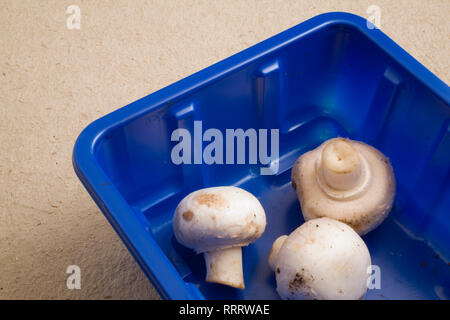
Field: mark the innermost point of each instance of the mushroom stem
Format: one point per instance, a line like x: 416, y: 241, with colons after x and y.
x: 341, y: 166
x: 225, y: 266
x: 273, y: 254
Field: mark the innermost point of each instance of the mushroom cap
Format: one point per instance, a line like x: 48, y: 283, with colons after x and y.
x: 363, y: 210
x: 218, y: 218
x: 322, y: 259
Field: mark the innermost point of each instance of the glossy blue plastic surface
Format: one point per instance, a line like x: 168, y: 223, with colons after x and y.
x: 329, y: 76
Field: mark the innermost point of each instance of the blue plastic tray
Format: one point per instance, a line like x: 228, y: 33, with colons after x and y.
x: 329, y: 76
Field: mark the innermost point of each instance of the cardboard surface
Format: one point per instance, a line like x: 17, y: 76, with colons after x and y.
x: 55, y: 81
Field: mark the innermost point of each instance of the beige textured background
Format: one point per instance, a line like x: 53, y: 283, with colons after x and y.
x: 55, y: 81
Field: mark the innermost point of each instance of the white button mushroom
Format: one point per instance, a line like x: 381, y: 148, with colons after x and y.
x: 322, y: 259
x: 218, y: 222
x: 345, y: 180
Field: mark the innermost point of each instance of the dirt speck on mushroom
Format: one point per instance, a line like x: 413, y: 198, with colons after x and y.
x: 188, y: 215
x: 211, y: 199
x: 296, y: 283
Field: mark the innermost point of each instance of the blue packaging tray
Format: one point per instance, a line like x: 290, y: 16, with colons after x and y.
x: 329, y: 76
